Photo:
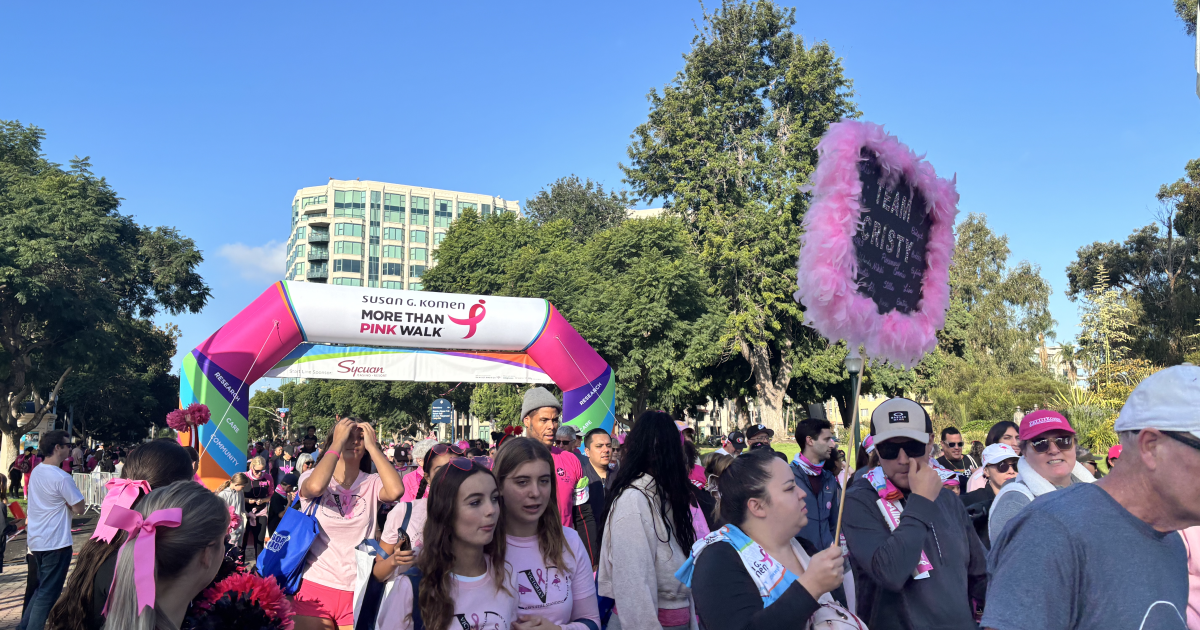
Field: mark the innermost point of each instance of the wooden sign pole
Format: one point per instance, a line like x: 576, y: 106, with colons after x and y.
x: 854, y: 365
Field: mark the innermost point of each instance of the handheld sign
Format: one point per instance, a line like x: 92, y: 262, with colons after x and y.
x: 874, y: 267
x: 442, y: 410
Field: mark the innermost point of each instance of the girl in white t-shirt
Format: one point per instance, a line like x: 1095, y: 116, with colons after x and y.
x: 394, y: 539
x: 548, y: 565
x: 463, y: 581
x: 348, y: 500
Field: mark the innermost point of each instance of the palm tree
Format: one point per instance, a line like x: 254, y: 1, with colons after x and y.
x: 1068, y: 355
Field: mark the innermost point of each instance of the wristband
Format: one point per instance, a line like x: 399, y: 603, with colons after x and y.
x: 336, y: 454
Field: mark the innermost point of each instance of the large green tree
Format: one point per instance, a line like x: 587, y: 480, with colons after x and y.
x: 1186, y: 10
x: 635, y: 291
x: 77, y: 277
x: 1156, y: 270
x: 583, y: 203
x: 727, y: 146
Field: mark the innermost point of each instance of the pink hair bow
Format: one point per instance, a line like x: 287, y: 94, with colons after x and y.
x: 143, y: 546
x: 121, y: 492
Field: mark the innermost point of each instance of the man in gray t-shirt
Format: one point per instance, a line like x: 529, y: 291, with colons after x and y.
x: 1108, y: 554
x: 1076, y: 559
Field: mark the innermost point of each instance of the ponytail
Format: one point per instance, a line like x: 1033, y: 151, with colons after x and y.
x: 239, y: 478
x: 203, y: 523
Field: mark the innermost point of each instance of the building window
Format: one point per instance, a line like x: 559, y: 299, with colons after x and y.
x: 300, y: 232
x: 348, y: 247
x: 438, y: 238
x: 375, y: 196
x: 313, y: 201
x: 393, y: 269
x: 347, y: 265
x: 465, y: 205
x: 349, y: 203
x: 414, y: 286
x: 416, y: 253
x: 393, y: 234
x: 393, y: 208
x: 443, y: 213
x: 419, y: 236
x: 350, y: 282
x: 393, y: 251
x: 420, y: 211
x: 390, y: 284
x: 416, y: 271
x: 348, y: 229
x: 299, y: 251
x: 298, y: 270
x: 487, y: 209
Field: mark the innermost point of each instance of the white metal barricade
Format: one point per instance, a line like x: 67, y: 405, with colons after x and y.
x: 91, y: 486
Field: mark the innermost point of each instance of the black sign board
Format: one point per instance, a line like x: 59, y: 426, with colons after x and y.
x: 890, y: 242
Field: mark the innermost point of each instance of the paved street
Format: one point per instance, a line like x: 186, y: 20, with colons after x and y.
x: 12, y: 579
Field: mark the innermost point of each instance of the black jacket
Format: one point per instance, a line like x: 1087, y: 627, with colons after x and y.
x: 727, y: 599
x: 884, y: 562
x: 979, y: 504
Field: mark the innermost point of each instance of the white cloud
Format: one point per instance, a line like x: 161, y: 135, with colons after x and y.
x: 261, y: 263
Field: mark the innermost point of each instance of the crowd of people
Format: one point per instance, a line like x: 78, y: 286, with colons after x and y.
x: 545, y: 528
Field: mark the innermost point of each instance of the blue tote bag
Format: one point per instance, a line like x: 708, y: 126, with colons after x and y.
x: 283, y: 556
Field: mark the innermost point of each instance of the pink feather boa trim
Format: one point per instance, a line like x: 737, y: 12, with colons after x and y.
x: 827, y: 264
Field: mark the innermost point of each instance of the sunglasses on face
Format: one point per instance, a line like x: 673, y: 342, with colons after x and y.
x: 954, y: 444
x: 563, y: 442
x: 891, y: 450
x: 1006, y: 466
x: 1186, y: 438
x: 1042, y: 445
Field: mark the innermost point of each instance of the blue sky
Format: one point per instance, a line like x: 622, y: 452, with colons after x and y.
x: 1060, y: 121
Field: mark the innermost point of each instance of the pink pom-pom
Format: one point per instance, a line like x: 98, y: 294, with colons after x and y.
x: 177, y: 420
x: 198, y: 413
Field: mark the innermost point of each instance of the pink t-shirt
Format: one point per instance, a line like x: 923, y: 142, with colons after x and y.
x: 347, y: 517
x: 411, y: 482
x: 572, y: 484
x: 416, y: 523
x: 479, y: 604
x: 561, y: 595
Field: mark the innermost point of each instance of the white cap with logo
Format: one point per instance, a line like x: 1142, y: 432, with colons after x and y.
x: 900, y: 417
x: 996, y: 453
x: 1168, y: 400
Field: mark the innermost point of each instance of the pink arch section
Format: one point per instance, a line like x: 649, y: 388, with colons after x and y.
x: 220, y: 371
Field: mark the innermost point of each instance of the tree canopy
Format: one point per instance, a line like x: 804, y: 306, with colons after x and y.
x: 583, y: 203
x: 78, y: 279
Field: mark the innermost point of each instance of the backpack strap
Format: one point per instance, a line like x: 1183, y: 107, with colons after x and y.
x: 414, y: 577
x: 407, y: 516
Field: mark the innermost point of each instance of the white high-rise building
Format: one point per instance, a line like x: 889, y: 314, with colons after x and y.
x: 373, y: 233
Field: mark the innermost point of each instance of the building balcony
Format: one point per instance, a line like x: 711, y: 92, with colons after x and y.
x: 318, y: 253
x: 318, y: 237
x: 317, y: 273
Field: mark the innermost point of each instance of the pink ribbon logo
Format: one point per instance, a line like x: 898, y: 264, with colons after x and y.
x: 143, y: 546
x: 476, y: 315
x: 121, y: 492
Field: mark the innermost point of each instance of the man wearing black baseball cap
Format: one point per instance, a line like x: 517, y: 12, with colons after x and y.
x: 759, y: 434
x: 734, y: 443
x: 917, y: 560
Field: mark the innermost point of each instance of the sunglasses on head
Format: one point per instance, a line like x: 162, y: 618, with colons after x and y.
x: 1006, y: 465
x: 461, y: 463
x: 442, y: 449
x: 891, y: 450
x: 1042, y: 445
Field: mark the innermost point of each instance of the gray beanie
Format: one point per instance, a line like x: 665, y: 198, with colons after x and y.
x: 537, y: 398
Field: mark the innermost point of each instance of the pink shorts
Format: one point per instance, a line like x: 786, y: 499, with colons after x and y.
x: 316, y: 600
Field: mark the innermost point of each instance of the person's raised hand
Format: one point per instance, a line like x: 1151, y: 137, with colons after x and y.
x: 825, y: 572
x: 341, y: 433
x: 369, y: 437
x: 923, y: 479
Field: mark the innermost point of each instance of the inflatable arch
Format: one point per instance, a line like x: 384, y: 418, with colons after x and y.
x: 300, y: 329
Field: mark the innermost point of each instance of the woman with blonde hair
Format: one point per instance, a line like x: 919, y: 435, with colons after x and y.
x: 174, y: 550
x: 231, y: 492
x: 548, y: 565
x: 258, y: 499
